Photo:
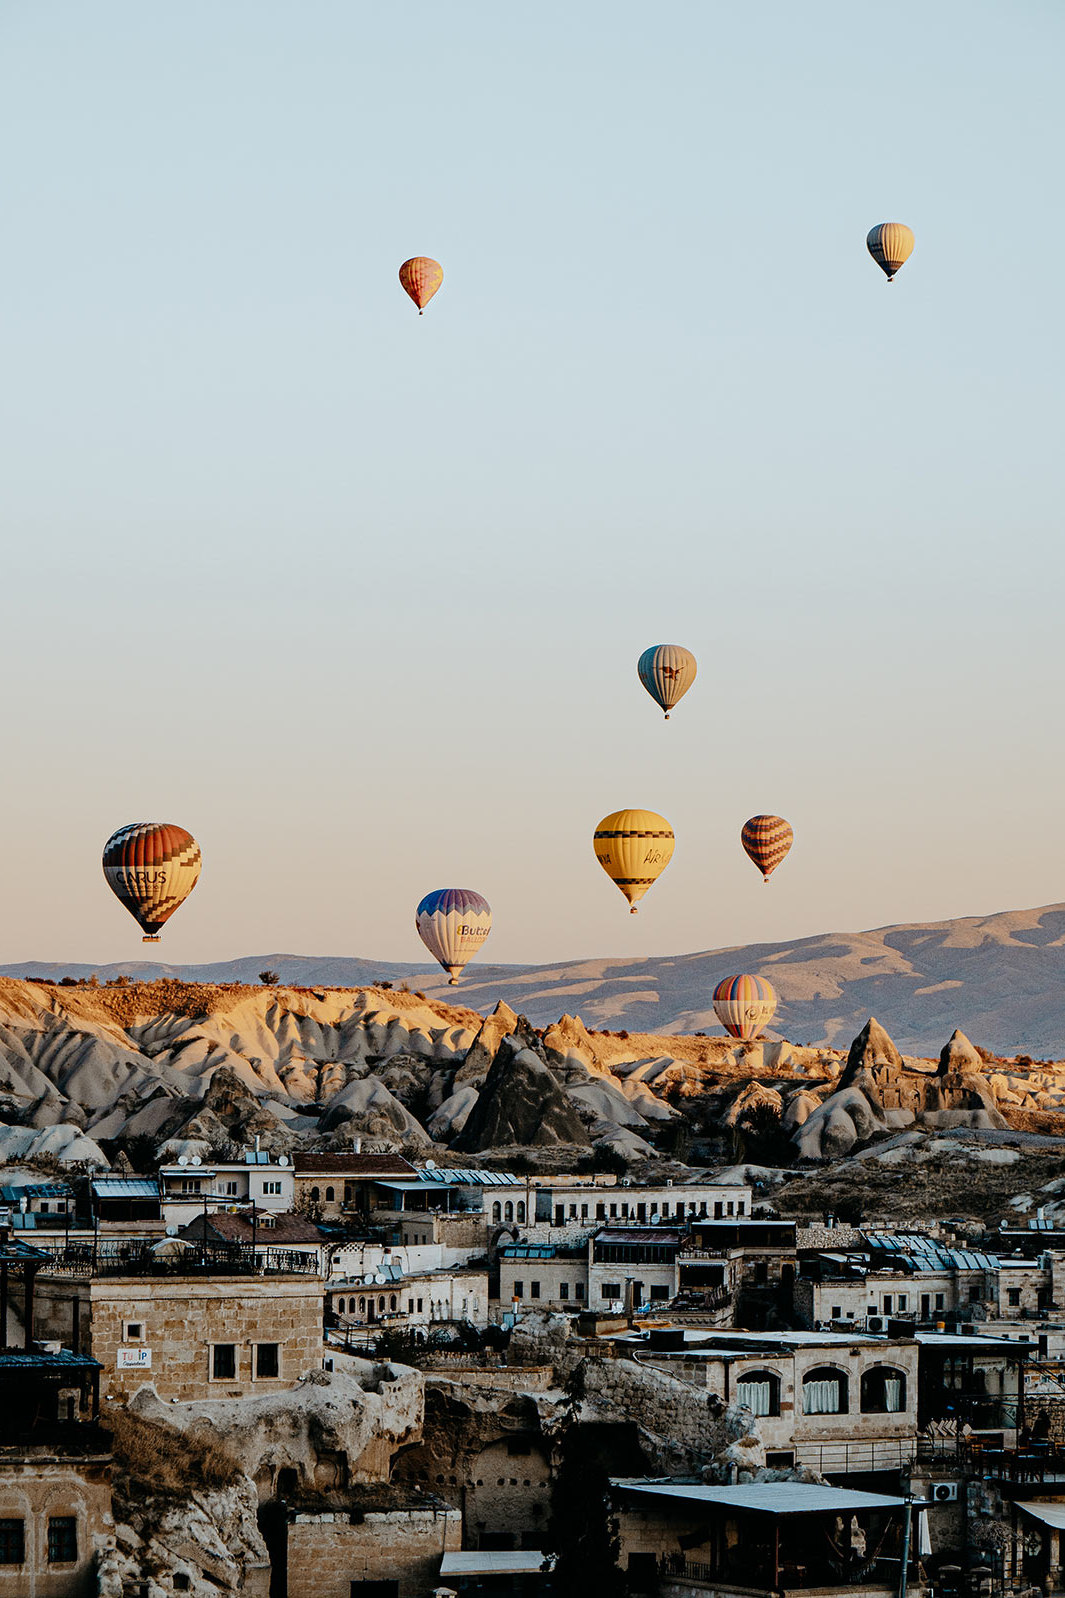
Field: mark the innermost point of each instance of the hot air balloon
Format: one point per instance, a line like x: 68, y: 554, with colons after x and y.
x: 633, y: 847
x: 667, y: 671
x: 453, y: 924
x: 891, y: 245
x: 744, y: 1005
x: 152, y: 867
x: 767, y: 840
x: 421, y: 276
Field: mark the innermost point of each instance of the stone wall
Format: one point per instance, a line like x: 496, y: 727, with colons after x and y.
x: 33, y: 1491
x: 181, y: 1319
x: 327, y: 1552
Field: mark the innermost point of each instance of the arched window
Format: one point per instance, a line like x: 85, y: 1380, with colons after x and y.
x: 760, y: 1391
x: 340, y: 1306
x: 381, y: 1304
x: 824, y: 1391
x: 883, y: 1391
x: 362, y: 1306
x: 329, y: 1195
x: 392, y: 1302
x: 316, y: 1194
x: 521, y: 1209
x: 508, y: 1211
x: 497, y: 1211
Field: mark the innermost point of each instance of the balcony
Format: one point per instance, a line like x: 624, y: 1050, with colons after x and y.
x: 110, y: 1257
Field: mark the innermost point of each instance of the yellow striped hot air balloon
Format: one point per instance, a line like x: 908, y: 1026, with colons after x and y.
x: 421, y: 276
x: 667, y: 671
x: 891, y: 245
x: 767, y: 840
x: 151, y: 867
x: 633, y: 847
x: 744, y: 1005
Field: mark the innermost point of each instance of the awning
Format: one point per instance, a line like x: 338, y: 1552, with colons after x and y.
x: 493, y: 1562
x: 766, y: 1498
x: 1051, y: 1512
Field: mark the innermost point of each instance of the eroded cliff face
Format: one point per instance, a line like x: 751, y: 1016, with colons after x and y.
x: 195, y: 1068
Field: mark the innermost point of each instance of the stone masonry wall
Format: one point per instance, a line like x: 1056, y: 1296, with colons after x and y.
x: 181, y: 1319
x: 326, y: 1552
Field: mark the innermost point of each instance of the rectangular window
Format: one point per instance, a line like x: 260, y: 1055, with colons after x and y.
x: 741, y: 1206
x: 580, y: 1289
x: 1013, y: 1296
x: 665, y: 1212
x: 584, y: 1212
x: 519, y: 1290
x: 600, y: 1212
x: 611, y: 1290
x: 271, y: 1187
x: 939, y: 1301
x: 730, y: 1208
x: 573, y: 1212
x: 563, y: 1290
x: 624, y: 1212
x: 887, y: 1303
x: 230, y: 1189
x: 560, y: 1215
x: 719, y: 1210
x: 266, y: 1359
x: 190, y: 1185
x: 134, y: 1332
x: 420, y: 1302
x: 837, y: 1312
x: 12, y: 1542
x: 62, y: 1540
x: 974, y: 1295
x: 224, y: 1361
x: 613, y: 1212
x: 658, y: 1293
x: 410, y: 1306
x: 903, y: 1301
x: 534, y: 1290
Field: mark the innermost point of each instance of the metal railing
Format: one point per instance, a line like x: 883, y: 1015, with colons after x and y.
x: 847, y: 1458
x: 112, y: 1257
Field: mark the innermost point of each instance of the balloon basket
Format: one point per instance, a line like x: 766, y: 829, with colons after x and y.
x: 150, y: 937
x: 632, y: 909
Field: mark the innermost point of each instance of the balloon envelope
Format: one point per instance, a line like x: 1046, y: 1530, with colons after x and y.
x: 767, y: 840
x: 891, y: 245
x: 667, y: 671
x: 453, y: 923
x: 744, y: 1005
x: 151, y: 867
x: 633, y: 847
x: 421, y: 276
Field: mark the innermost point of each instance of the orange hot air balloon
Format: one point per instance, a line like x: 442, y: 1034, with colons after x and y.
x: 421, y: 276
x: 767, y: 840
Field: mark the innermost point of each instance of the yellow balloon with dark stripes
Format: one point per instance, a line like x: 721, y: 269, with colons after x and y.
x: 633, y: 847
x: 891, y: 245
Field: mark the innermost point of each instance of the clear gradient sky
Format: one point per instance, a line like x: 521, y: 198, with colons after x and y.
x: 357, y: 597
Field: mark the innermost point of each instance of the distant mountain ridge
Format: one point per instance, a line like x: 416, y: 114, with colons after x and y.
x: 1000, y: 978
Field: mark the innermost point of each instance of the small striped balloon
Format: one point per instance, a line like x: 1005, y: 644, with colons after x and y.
x: 421, y: 276
x: 891, y: 245
x: 667, y: 671
x: 744, y: 1005
x: 151, y: 867
x: 767, y: 840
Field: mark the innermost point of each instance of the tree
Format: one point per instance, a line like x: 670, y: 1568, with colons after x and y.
x: 269, y: 979
x: 582, y: 1534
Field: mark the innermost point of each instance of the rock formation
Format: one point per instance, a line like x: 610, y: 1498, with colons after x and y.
x: 521, y: 1103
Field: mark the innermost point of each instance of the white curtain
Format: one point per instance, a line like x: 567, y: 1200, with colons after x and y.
x: 892, y: 1394
x: 756, y: 1396
x: 820, y: 1398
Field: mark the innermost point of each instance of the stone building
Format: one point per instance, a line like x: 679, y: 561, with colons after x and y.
x: 550, y: 1276
x: 382, y: 1542
x: 404, y: 1299
x: 191, y: 1186
x: 217, y: 1334
x: 633, y: 1265
x: 341, y: 1187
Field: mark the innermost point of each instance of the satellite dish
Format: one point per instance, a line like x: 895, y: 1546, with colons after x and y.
x: 366, y: 1281
x: 282, y: 1159
x: 430, y: 1165
x: 183, y: 1159
x: 171, y: 1231
x: 196, y: 1160
x: 380, y: 1279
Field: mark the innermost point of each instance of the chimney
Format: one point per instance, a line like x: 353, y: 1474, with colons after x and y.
x: 256, y: 1142
x: 356, y: 1145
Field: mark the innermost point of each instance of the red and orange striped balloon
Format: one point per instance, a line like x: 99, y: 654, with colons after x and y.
x: 767, y: 840
x: 151, y: 867
x: 421, y: 276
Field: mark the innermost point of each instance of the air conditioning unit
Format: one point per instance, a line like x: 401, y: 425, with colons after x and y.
x: 874, y: 1323
x: 945, y: 1492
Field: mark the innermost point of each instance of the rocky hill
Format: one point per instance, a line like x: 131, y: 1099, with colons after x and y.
x: 998, y: 977
x: 86, y: 1071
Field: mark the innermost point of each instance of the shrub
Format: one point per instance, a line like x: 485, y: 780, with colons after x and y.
x: 269, y: 979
